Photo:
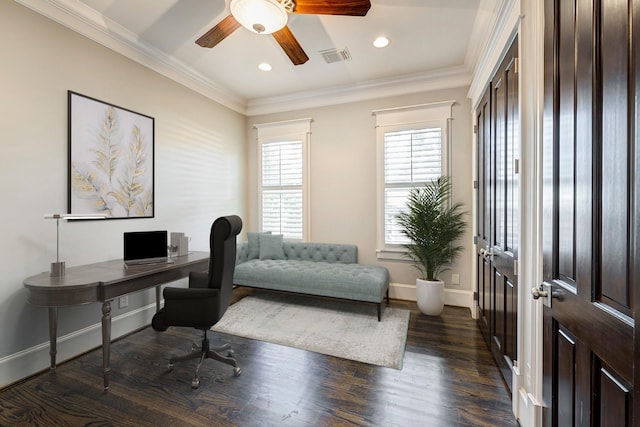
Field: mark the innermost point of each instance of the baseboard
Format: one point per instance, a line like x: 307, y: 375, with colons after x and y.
x: 25, y: 363
x: 530, y: 411
x: 402, y: 291
x: 526, y: 408
x: 517, y: 384
x: 459, y: 298
x: 453, y: 297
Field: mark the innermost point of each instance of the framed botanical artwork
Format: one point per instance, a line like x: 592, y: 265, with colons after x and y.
x: 111, y: 160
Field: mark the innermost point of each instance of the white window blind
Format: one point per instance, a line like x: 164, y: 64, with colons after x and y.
x: 283, y: 178
x: 282, y: 168
x: 411, y: 158
x: 412, y: 150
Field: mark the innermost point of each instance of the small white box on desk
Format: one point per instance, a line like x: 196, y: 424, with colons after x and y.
x: 183, y: 248
x: 179, y: 244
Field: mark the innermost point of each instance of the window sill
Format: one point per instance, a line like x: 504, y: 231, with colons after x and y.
x: 392, y: 255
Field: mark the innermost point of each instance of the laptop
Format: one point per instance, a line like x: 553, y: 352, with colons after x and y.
x: 145, y: 247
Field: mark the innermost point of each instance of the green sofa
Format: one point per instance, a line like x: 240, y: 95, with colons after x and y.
x: 323, y: 269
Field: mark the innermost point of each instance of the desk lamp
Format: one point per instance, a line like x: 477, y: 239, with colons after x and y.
x: 58, y: 267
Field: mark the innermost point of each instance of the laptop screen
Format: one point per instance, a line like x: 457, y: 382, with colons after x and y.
x: 142, y: 245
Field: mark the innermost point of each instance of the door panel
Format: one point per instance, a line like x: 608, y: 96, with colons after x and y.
x: 483, y: 212
x: 566, y: 377
x: 588, y: 256
x: 485, y: 297
x: 504, y: 250
x: 498, y: 213
x: 511, y: 323
x: 615, y: 399
x: 566, y: 128
x: 499, y: 314
x: 615, y: 131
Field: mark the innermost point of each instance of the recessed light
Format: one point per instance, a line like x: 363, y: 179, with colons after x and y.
x: 265, y: 67
x: 381, y: 42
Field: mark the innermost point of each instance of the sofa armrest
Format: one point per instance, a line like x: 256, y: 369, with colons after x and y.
x: 242, y: 252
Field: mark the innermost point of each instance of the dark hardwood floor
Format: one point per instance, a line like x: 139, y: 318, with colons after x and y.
x: 448, y: 379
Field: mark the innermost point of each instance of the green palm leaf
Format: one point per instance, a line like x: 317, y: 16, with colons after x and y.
x: 433, y: 225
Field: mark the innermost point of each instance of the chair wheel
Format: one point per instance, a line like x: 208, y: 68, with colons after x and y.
x: 170, y: 367
x: 195, y: 383
x: 230, y: 353
x: 236, y: 371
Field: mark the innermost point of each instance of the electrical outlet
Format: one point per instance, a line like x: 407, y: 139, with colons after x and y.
x: 123, y: 301
x: 455, y: 279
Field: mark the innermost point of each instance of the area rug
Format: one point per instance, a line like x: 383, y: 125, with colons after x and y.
x: 345, y: 329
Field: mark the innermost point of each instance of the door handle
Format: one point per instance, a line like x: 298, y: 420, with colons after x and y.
x: 545, y: 292
x: 536, y: 293
x: 486, y: 253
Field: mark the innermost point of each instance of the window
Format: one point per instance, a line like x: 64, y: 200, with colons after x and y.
x: 282, y: 188
x: 412, y: 150
x: 412, y: 157
x: 283, y: 178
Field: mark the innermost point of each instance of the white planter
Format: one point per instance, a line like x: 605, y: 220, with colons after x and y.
x: 430, y: 296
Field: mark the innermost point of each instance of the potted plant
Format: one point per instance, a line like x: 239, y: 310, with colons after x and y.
x: 432, y: 224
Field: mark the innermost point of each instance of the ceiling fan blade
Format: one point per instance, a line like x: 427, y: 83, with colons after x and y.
x: 333, y: 7
x: 290, y: 45
x: 218, y: 33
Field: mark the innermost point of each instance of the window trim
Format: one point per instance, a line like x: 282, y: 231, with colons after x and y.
x: 298, y: 129
x: 410, y: 117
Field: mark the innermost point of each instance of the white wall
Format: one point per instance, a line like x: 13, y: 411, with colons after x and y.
x: 200, y: 152
x: 343, y: 179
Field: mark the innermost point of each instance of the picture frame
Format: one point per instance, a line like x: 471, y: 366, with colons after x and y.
x: 111, y: 160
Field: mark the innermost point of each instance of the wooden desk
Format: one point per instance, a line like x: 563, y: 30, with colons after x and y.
x: 104, y: 282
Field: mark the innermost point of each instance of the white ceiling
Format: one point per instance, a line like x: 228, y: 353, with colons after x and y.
x: 431, y: 41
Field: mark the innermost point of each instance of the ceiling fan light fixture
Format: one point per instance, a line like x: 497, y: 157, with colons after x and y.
x: 259, y: 16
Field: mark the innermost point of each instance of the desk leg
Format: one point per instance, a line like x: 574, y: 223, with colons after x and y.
x: 106, y: 342
x: 158, y: 297
x: 53, y: 335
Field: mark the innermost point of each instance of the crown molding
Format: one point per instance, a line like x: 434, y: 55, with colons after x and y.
x: 506, y: 20
x: 486, y: 17
x: 84, y: 20
x: 373, y: 89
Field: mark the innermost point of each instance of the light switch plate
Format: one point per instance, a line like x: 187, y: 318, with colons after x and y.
x: 123, y: 301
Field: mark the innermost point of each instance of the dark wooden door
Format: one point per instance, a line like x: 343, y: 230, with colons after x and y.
x: 498, y: 212
x: 590, y: 221
x: 484, y: 214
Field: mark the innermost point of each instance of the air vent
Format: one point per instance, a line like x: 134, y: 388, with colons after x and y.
x: 335, y: 55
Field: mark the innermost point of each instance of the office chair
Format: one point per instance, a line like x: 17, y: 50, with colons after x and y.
x: 205, y: 301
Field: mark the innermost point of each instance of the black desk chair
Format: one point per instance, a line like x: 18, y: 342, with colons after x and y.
x: 205, y: 301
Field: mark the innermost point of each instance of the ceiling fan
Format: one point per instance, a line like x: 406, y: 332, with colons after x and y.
x: 270, y: 17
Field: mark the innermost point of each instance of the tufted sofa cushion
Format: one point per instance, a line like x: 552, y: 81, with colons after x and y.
x: 271, y: 246
x: 242, y: 252
x: 349, y: 281
x: 253, y: 243
x: 322, y: 269
x: 326, y: 252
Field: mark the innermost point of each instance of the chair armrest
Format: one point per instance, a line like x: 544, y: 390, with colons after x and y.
x: 198, y: 279
x: 189, y: 293
x: 198, y: 308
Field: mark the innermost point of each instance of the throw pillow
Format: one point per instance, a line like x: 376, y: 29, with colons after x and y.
x: 254, y: 243
x: 271, y: 246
